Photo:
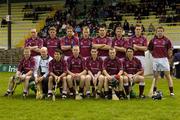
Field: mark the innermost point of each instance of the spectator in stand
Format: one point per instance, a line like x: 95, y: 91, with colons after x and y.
x: 126, y: 26
x: 151, y: 28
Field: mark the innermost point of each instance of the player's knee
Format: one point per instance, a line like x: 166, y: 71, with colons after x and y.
x: 82, y: 78
x: 101, y: 78
x: 125, y: 79
x: 50, y: 78
x: 141, y: 78
x: 88, y: 77
x: 69, y: 77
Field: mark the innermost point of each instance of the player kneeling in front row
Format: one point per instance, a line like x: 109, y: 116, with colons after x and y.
x: 133, y: 72
x: 41, y: 73
x: 23, y: 74
x: 94, y: 77
x: 76, y: 73
x: 112, y: 70
x: 57, y: 74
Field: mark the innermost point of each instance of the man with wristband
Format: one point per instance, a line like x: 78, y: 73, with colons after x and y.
x: 133, y: 72
x: 113, y: 69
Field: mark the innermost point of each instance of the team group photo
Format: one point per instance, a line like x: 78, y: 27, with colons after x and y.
x: 96, y: 55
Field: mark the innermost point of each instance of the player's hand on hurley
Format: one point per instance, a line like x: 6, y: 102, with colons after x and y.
x: 59, y: 78
x: 56, y: 78
x: 109, y: 77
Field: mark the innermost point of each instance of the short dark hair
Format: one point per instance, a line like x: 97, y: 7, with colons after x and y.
x: 69, y: 27
x: 94, y: 48
x: 102, y: 26
x: 59, y: 51
x: 160, y: 27
x: 130, y: 49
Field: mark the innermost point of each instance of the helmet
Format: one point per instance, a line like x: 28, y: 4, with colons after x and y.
x: 157, y: 95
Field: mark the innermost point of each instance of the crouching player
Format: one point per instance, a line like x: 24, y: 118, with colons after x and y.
x: 112, y: 69
x: 94, y: 77
x: 41, y: 73
x: 133, y: 72
x: 57, y: 74
x: 24, y: 73
x: 76, y: 73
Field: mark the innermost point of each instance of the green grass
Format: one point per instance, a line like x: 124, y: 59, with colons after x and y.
x: 16, y: 108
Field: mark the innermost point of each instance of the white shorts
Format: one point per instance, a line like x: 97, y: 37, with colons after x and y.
x: 142, y: 59
x: 161, y: 64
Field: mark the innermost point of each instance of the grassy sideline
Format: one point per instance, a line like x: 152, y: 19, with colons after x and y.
x: 15, y: 108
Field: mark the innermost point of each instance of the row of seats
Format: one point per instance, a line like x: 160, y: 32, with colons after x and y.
x: 11, y: 56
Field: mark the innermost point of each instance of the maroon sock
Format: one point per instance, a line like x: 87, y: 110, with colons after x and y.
x: 171, y: 90
x: 141, y: 89
x: 126, y: 88
x: 154, y: 89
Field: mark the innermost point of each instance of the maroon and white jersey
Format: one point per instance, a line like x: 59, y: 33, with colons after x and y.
x: 58, y: 67
x: 112, y: 66
x: 66, y: 41
x: 104, y: 40
x: 140, y: 41
x: 76, y: 65
x: 94, y: 65
x: 132, y: 66
x: 34, y: 42
x: 122, y: 42
x: 52, y: 45
x: 85, y: 47
x: 26, y: 65
x: 159, y: 47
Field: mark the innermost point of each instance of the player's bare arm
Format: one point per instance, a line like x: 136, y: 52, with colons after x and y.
x: 64, y: 48
x: 107, y: 75
x: 98, y: 46
x: 141, y: 48
x: 121, y: 49
x: 106, y: 47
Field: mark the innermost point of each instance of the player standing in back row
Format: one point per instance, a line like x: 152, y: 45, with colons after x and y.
x: 139, y: 44
x: 102, y: 42
x: 160, y: 48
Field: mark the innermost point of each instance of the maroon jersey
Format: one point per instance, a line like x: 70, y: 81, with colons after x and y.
x: 94, y: 65
x: 51, y: 45
x: 76, y: 65
x: 112, y: 66
x: 122, y: 42
x: 132, y: 66
x: 85, y: 47
x: 58, y: 67
x: 159, y: 47
x: 34, y: 42
x: 66, y: 41
x: 104, y: 40
x: 26, y: 65
x: 140, y: 41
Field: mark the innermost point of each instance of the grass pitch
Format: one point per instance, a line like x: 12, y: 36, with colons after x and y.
x: 16, y: 108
